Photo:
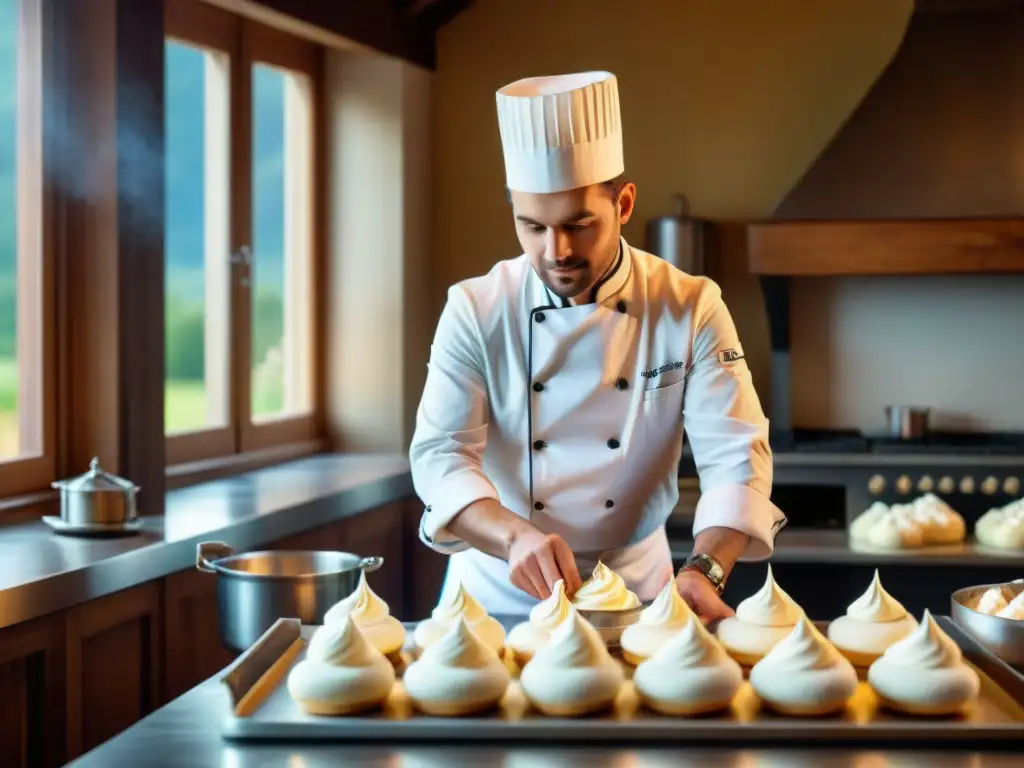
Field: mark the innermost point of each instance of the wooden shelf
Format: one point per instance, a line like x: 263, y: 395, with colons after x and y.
x: 920, y: 247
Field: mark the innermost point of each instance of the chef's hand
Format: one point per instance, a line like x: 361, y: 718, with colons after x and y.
x: 702, y: 597
x: 537, y: 560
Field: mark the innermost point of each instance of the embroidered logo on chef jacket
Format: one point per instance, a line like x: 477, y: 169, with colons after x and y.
x: 730, y: 356
x: 664, y: 369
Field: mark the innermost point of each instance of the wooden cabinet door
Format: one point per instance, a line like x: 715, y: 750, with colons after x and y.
x: 113, y: 664
x: 31, y: 694
x: 192, y: 632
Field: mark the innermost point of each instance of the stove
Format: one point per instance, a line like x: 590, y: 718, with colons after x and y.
x: 824, y: 478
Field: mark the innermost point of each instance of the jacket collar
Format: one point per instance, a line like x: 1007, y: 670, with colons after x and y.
x: 611, y: 288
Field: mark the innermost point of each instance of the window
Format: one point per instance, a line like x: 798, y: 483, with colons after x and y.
x: 27, y: 425
x: 240, y: 245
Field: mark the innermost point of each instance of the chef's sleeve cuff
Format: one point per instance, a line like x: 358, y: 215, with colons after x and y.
x: 451, y: 496
x: 741, y: 508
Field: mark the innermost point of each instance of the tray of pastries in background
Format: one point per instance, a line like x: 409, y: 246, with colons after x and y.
x: 874, y: 675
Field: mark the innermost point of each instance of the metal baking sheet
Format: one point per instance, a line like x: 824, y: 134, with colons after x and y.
x: 996, y: 718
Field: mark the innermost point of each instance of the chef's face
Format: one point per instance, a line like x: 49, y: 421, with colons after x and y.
x: 572, y: 237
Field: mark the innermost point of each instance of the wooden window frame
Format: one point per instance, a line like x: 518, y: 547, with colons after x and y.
x: 36, y: 315
x: 247, y: 42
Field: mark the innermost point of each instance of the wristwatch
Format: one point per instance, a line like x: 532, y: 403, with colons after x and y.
x: 707, y: 565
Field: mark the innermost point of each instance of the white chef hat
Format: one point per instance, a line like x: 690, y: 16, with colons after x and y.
x: 560, y: 132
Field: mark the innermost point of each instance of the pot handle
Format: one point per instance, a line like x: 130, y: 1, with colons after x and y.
x: 370, y: 564
x: 208, y: 551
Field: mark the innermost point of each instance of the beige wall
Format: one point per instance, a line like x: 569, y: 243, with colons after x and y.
x: 725, y: 101
x: 379, y: 113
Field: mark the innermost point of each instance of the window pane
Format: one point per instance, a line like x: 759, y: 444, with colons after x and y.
x: 197, y: 244
x: 282, y: 249
x: 10, y: 445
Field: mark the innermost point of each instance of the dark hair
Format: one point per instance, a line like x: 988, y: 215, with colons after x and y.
x: 613, y: 187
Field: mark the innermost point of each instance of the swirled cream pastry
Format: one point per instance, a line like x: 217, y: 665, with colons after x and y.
x: 459, y: 604
x: 1014, y: 609
x: 657, y: 623
x: 925, y: 521
x: 604, y: 591
x: 940, y: 524
x: 924, y: 673
x: 689, y: 674
x: 373, y: 617
x: 804, y: 674
x: 1003, y: 527
x: 526, y: 638
x: 573, y: 674
x: 761, y: 621
x: 458, y: 674
x: 342, y: 672
x: 992, y: 601
x: 872, y: 623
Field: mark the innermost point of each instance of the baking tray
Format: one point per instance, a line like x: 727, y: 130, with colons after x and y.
x: 258, y: 708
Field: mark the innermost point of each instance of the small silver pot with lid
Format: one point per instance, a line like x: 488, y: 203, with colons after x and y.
x: 97, y: 498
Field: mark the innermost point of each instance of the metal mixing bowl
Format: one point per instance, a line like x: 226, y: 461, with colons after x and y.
x: 610, y: 624
x: 1003, y: 637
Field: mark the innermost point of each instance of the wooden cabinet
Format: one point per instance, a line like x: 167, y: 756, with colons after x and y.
x: 72, y: 680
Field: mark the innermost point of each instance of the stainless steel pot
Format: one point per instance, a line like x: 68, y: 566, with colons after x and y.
x: 1003, y: 637
x: 97, y: 497
x: 256, y: 589
x: 907, y: 421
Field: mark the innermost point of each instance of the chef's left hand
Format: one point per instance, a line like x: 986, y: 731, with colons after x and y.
x: 702, y: 597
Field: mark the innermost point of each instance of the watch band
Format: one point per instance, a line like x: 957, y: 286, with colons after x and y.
x: 709, y: 567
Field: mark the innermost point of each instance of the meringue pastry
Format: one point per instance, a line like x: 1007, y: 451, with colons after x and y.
x: 940, y: 524
x: 657, y: 623
x: 459, y: 604
x: 604, y: 591
x: 925, y: 521
x: 924, y: 673
x: 373, y: 617
x: 872, y: 623
x: 1002, y: 528
x: 761, y: 621
x: 992, y: 601
x: 527, y: 637
x: 342, y: 672
x: 690, y: 673
x: 804, y: 674
x: 573, y: 674
x: 458, y: 674
x: 1014, y: 609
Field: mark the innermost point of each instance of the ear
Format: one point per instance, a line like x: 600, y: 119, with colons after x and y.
x: 627, y: 202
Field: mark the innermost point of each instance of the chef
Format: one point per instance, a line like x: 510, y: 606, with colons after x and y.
x: 559, y: 385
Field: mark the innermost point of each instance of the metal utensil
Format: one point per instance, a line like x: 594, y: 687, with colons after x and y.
x: 255, y: 589
x: 1003, y: 637
x: 907, y: 421
x: 97, y: 498
x: 677, y: 239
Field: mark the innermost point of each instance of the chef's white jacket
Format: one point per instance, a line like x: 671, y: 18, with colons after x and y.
x: 573, y: 417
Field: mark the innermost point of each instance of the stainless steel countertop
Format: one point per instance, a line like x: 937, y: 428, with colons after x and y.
x: 186, y: 733
x: 806, y: 546
x: 41, y: 572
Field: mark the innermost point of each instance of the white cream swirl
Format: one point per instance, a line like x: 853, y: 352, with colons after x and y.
x: 457, y: 674
x: 876, y: 604
x: 372, y: 615
x: 927, y: 647
x: 802, y: 650
x: 1014, y: 609
x: 656, y: 624
x: 604, y: 591
x: 342, y: 671
x: 694, y: 646
x: 544, y: 618
x: 459, y: 605
x: 992, y: 601
x: 770, y: 606
x: 575, y: 643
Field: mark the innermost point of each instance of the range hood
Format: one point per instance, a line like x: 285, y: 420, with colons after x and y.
x: 885, y: 247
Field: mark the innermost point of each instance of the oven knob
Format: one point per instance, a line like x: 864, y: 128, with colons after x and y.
x: 876, y: 484
x: 903, y: 484
x: 925, y: 484
x: 1011, y: 486
x: 946, y: 485
x: 967, y: 484
x: 989, y: 486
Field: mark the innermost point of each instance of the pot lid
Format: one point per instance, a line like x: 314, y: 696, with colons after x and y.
x: 96, y: 480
